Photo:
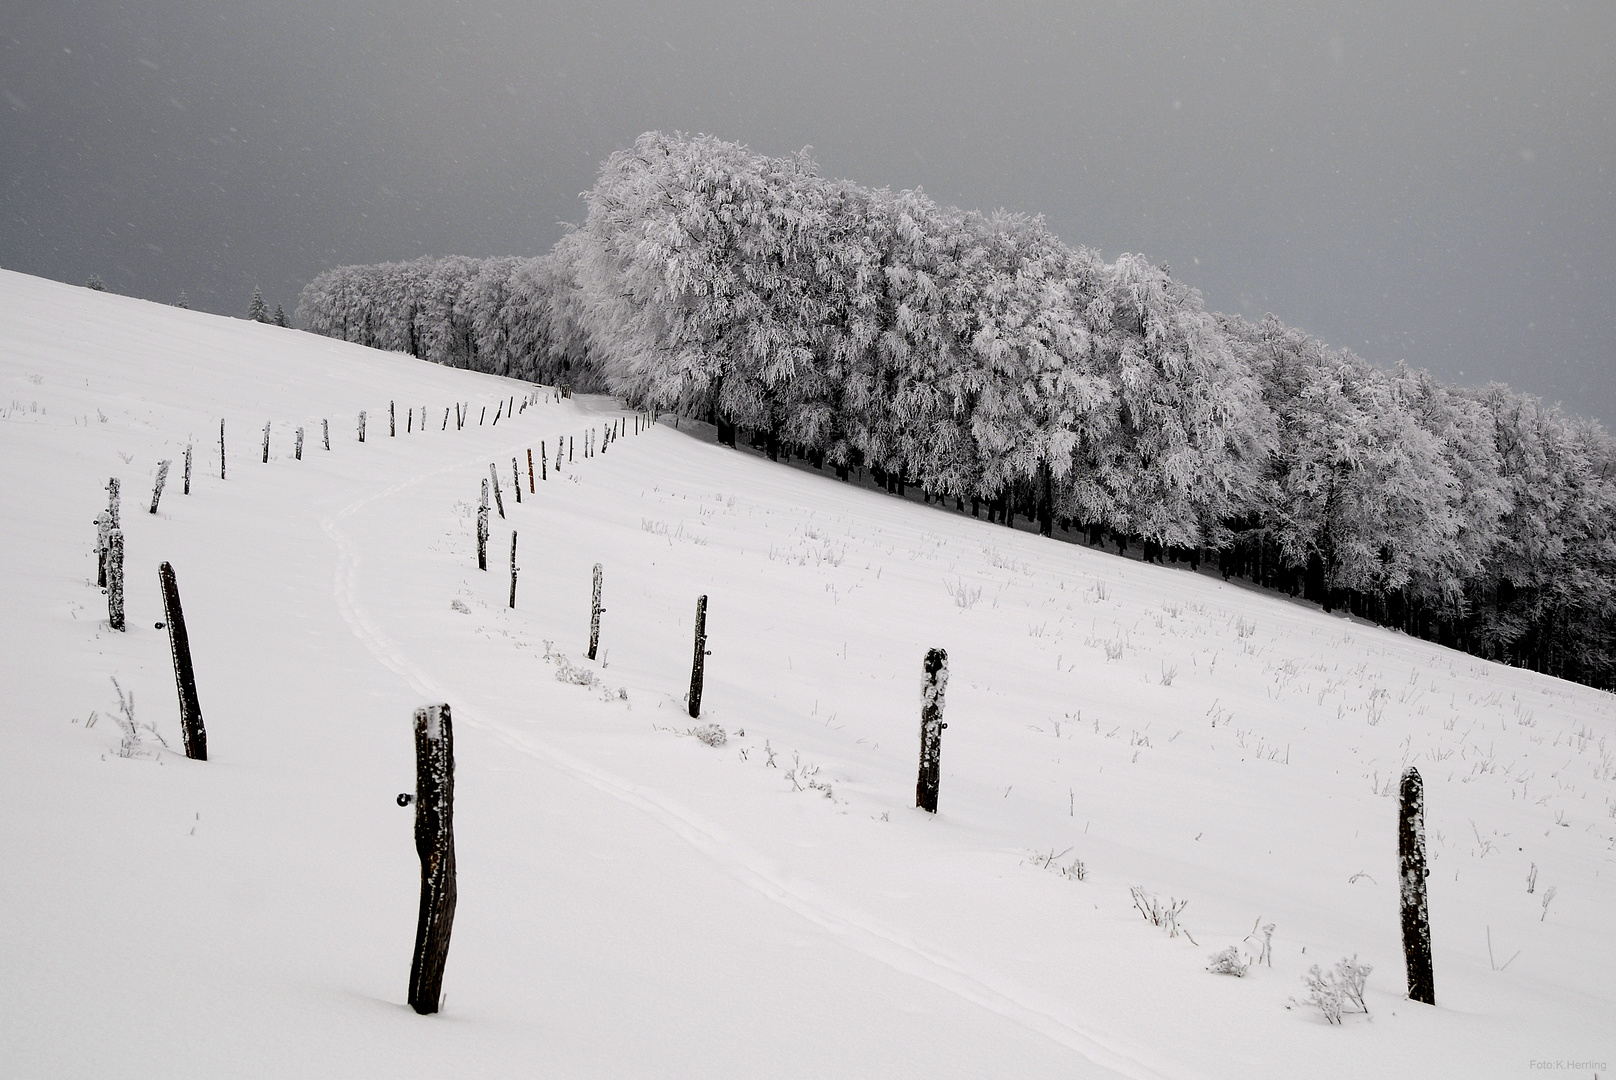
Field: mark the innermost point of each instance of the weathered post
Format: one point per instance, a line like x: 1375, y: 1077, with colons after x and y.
x: 325, y: 433
x: 1411, y: 863
x: 445, y: 419
x: 699, y: 664
x: 103, y: 529
x: 513, y: 568
x: 179, y: 644
x: 544, y: 461
x: 498, y: 409
x: 494, y: 476
x: 409, y: 420
x: 434, y: 844
x: 221, y: 449
x: 115, y: 578
x: 361, y: 425
x: 594, y: 616
x: 266, y: 443
x: 933, y: 685
x: 392, y: 422
x: 187, y: 468
x: 482, y: 416
x: 157, y: 488
x: 482, y: 530
x: 516, y: 480
x: 530, y: 488
x: 569, y: 449
x: 297, y: 451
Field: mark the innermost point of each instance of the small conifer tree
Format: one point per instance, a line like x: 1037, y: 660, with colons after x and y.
x: 257, y: 311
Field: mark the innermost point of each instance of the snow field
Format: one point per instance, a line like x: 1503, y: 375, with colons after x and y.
x: 633, y: 901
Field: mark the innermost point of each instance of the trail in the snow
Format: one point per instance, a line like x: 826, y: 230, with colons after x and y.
x: 854, y: 929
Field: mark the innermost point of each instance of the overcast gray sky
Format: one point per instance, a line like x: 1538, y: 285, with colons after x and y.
x: 1430, y: 182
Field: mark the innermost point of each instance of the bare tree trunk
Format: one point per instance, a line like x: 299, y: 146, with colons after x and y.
x: 934, y: 684
x: 179, y: 644
x: 434, y: 844
x: 1413, y: 872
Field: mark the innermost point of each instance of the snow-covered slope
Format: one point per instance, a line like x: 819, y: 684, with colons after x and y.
x: 634, y: 902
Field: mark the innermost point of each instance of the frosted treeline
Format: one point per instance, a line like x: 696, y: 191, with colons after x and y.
x: 980, y: 358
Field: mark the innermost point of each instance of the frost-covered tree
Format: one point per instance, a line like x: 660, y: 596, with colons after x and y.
x: 280, y: 316
x: 183, y: 301
x: 256, y: 310
x: 95, y: 283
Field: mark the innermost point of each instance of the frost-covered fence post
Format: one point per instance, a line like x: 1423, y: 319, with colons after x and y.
x: 221, y: 449
x: 698, y: 665
x: 157, y: 488
x: 1411, y: 864
x: 434, y: 844
x: 361, y: 425
x: 933, y: 685
x: 179, y: 644
x: 594, y: 616
x: 482, y: 530
x: 115, y: 578
x: 516, y: 480
x: 325, y: 433
x: 266, y: 444
x: 392, y: 422
x: 498, y: 501
x: 513, y: 568
x: 530, y: 488
x: 187, y: 468
x: 297, y: 450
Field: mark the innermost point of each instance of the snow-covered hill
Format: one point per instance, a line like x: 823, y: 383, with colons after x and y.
x: 634, y: 902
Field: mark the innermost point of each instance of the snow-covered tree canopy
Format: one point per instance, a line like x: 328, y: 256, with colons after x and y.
x: 978, y: 356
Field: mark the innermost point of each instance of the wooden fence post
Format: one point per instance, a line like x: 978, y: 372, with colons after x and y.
x: 933, y: 685
x: 115, y: 578
x: 544, y: 461
x: 325, y: 433
x: 157, y: 488
x: 698, y: 665
x: 187, y: 468
x: 297, y: 452
x: 482, y: 530
x: 494, y: 476
x: 594, y: 616
x: 266, y: 444
x: 1411, y: 863
x: 434, y: 844
x: 445, y: 419
x: 179, y: 644
x: 530, y: 488
x: 392, y: 422
x: 361, y: 425
x: 516, y: 480
x: 513, y: 568
x: 221, y: 449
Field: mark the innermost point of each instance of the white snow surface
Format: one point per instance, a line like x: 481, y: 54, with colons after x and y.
x: 636, y: 902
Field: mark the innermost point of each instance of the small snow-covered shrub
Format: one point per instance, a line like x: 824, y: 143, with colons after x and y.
x: 460, y: 606
x: 1230, y: 961
x: 133, y: 743
x: 1158, y: 914
x: 1332, y: 992
x: 711, y: 734
x: 1073, y: 871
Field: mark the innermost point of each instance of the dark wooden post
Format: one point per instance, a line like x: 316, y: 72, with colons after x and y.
x: 544, y: 461
x: 361, y: 425
x: 157, y: 488
x: 569, y: 449
x: 594, y: 616
x: 530, y: 488
x: 266, y: 444
x: 115, y: 578
x: 482, y: 530
x: 179, y: 643
x: 434, y: 843
x: 392, y: 422
x: 187, y: 468
x: 325, y: 433
x: 699, y: 663
x: 297, y: 451
x: 1411, y: 861
x: 221, y: 449
x: 409, y: 420
x: 933, y: 685
x: 513, y: 568
x: 516, y: 480
x: 482, y: 416
x: 445, y: 419
x: 494, y: 476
